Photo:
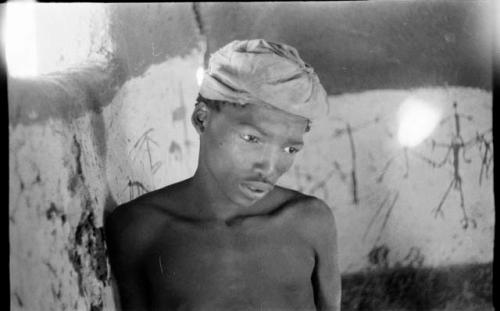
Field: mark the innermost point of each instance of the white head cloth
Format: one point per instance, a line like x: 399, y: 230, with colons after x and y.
x: 262, y: 72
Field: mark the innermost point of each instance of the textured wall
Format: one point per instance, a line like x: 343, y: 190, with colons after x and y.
x: 89, y: 137
x: 151, y: 142
x: 57, y: 189
x: 384, y: 201
x: 57, y: 197
x: 395, y: 252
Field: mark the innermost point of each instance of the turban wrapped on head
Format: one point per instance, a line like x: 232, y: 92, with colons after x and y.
x: 261, y: 72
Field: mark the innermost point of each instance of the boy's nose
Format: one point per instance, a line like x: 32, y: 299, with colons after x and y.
x: 269, y: 166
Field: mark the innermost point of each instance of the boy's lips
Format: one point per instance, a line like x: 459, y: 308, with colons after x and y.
x: 258, y: 185
x: 256, y: 188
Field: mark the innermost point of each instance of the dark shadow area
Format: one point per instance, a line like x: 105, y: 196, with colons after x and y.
x: 459, y: 287
x: 367, y: 45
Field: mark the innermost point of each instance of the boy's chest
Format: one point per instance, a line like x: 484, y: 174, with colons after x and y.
x: 187, y: 258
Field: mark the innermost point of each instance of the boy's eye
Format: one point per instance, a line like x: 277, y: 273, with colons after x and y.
x: 250, y: 138
x: 291, y: 150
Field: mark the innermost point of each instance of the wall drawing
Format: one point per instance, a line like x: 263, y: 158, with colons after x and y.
x: 387, y: 194
x: 145, y: 144
x: 149, y: 121
x: 348, y: 130
x: 456, y: 151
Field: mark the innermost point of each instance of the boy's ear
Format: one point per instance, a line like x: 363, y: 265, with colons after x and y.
x: 199, y: 117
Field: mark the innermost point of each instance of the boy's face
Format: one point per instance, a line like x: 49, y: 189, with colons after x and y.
x: 247, y: 149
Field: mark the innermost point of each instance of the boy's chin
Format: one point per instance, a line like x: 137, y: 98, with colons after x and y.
x: 240, y: 200
x: 245, y: 201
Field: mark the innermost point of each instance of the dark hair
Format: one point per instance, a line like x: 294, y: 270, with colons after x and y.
x: 216, y: 105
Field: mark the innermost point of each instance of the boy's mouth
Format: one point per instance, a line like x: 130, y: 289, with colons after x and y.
x: 256, y: 189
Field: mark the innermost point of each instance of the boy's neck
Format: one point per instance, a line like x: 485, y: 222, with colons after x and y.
x: 209, y: 201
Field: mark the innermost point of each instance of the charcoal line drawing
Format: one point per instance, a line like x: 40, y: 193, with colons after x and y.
x: 144, y: 144
x: 389, y: 208
x: 348, y: 129
x: 456, y: 150
x: 135, y: 188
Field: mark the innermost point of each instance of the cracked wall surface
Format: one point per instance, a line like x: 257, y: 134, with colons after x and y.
x: 57, y: 256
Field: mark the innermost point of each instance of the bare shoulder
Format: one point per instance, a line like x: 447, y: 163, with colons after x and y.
x: 140, y: 219
x: 311, y: 214
x: 131, y: 214
x: 306, y: 205
x: 131, y: 227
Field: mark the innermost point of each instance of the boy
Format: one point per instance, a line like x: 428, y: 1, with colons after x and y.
x: 228, y: 238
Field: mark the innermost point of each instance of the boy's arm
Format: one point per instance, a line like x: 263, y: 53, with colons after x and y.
x: 126, y: 243
x: 326, y: 276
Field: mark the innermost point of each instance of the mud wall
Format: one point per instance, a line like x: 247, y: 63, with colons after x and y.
x: 58, y: 192
x: 105, y: 121
x: 430, y: 205
x: 416, y: 226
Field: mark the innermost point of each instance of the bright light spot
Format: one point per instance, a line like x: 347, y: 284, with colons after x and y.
x: 417, y: 120
x: 20, y: 39
x: 199, y: 75
x: 496, y: 39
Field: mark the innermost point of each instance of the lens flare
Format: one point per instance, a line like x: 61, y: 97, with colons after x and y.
x: 417, y: 120
x: 20, y: 39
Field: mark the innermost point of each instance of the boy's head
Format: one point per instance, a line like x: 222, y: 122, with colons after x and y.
x: 261, y: 72
x: 256, y: 102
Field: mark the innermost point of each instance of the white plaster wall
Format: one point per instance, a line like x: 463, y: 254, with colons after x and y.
x: 60, y: 173
x: 150, y: 137
x: 56, y: 183
x: 64, y: 172
x: 412, y: 233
